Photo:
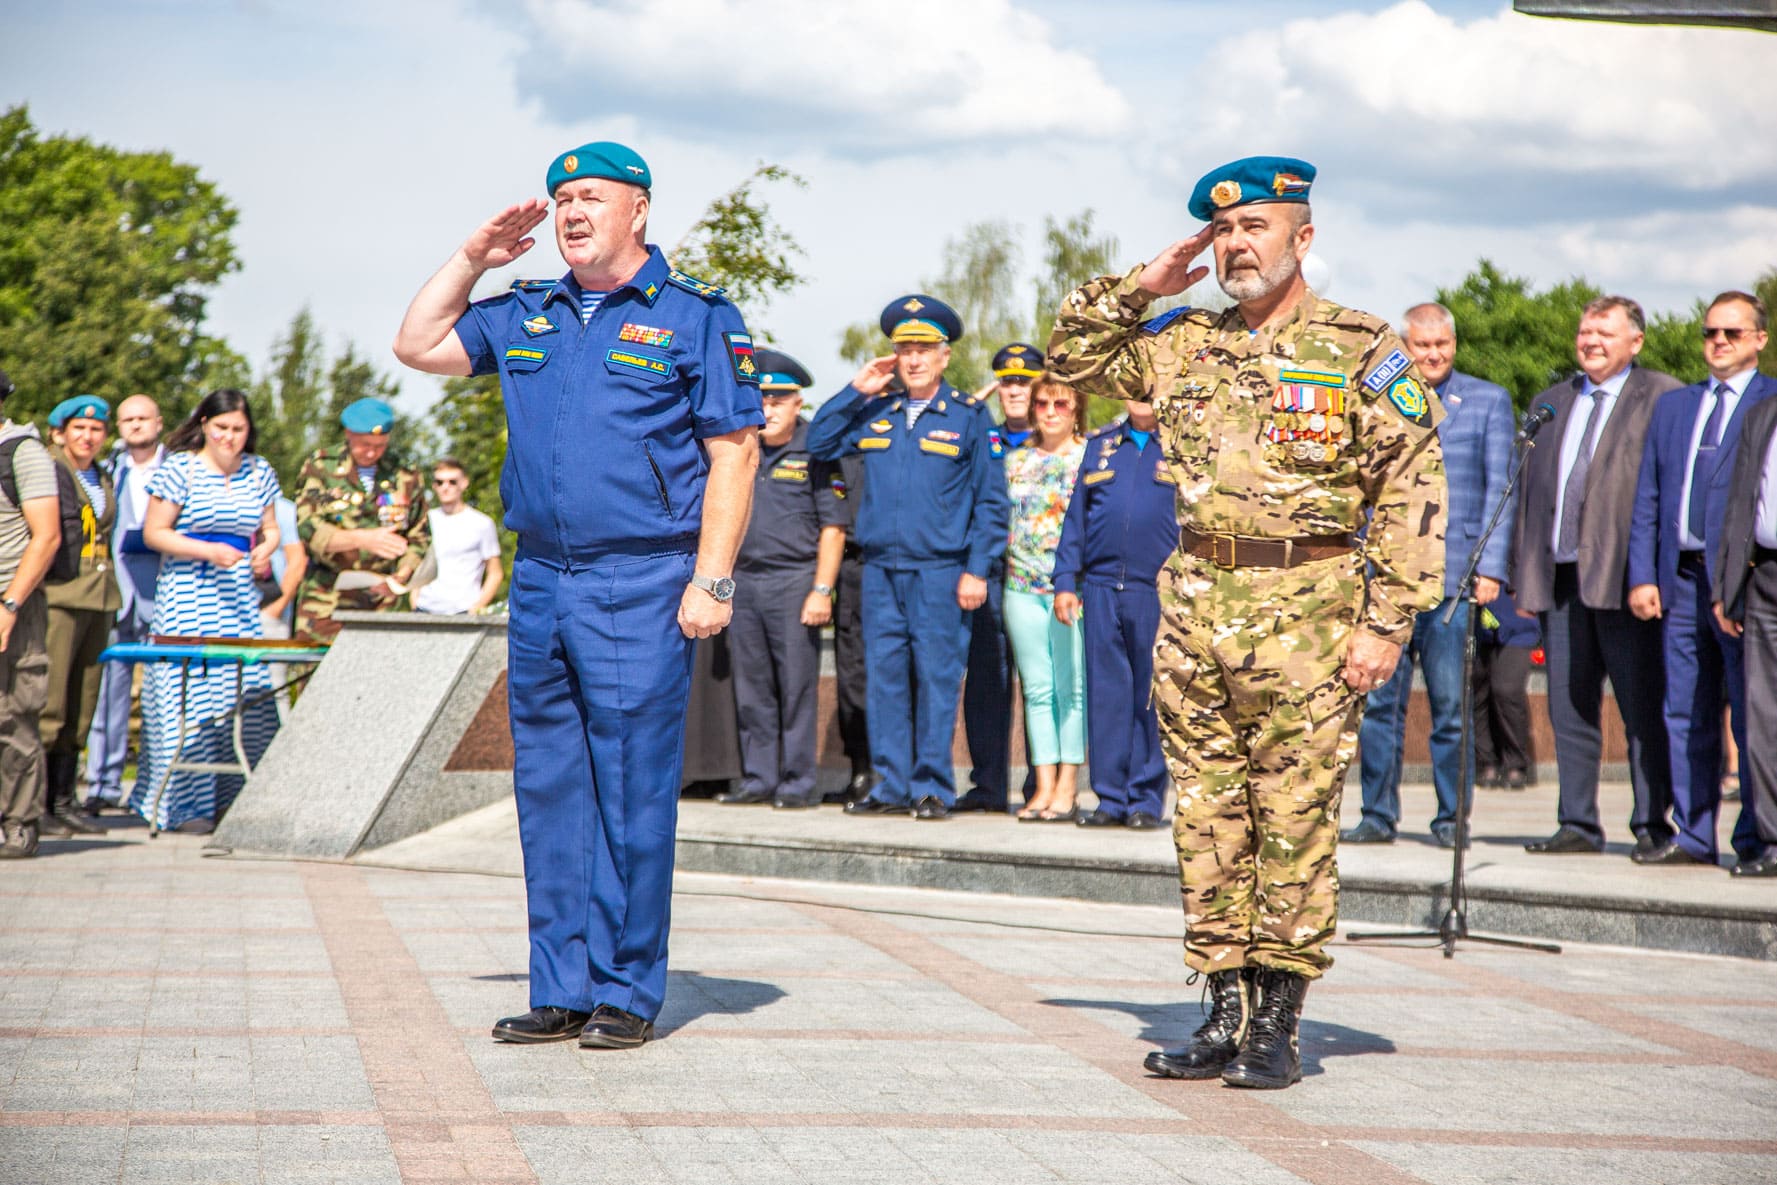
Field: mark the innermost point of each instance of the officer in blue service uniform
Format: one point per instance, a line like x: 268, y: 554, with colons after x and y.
x: 783, y: 595
x: 987, y: 689
x: 932, y: 523
x: 632, y: 414
x: 1121, y: 526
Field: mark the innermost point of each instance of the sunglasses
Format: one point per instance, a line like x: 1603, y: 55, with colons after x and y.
x: 448, y: 481
x: 1710, y: 333
x: 1053, y: 404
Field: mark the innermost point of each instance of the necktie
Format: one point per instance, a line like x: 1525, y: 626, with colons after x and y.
x: 1573, y: 494
x: 1706, y: 448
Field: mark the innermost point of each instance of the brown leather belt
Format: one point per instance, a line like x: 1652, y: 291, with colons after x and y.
x: 1243, y: 551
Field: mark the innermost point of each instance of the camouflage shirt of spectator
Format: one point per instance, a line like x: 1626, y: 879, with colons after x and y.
x: 331, y: 498
x: 1287, y: 432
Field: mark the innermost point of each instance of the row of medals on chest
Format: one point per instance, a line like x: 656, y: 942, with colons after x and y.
x: 1307, y: 420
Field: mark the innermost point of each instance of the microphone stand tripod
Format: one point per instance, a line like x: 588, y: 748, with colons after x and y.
x: 1453, y: 926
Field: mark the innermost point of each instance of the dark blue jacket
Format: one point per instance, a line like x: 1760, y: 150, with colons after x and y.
x: 1122, y: 522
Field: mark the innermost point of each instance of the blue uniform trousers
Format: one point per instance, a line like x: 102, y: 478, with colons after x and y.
x: 598, y: 678
x: 1438, y: 650
x: 777, y: 665
x: 108, y: 741
x: 916, y: 638
x: 987, y: 692
x: 1700, y: 659
x: 1128, y: 766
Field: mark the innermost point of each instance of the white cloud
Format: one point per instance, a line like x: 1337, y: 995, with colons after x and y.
x: 854, y: 78
x: 1518, y: 112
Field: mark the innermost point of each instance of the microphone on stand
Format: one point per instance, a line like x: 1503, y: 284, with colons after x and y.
x: 1534, y: 419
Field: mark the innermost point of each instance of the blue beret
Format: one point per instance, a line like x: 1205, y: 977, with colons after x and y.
x: 602, y: 158
x: 81, y: 407
x: 371, y: 416
x: 780, y: 374
x: 920, y: 318
x: 1253, y: 179
x: 1020, y: 360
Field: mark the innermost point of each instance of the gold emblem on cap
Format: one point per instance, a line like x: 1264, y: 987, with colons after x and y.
x: 914, y: 305
x: 569, y: 163
x: 1225, y: 193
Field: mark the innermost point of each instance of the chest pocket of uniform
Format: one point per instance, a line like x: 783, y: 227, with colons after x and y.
x: 524, y: 358
x: 631, y: 361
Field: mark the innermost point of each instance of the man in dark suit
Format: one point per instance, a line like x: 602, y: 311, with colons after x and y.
x: 1745, y: 594
x: 1681, y: 500
x: 1476, y: 437
x: 1569, y: 555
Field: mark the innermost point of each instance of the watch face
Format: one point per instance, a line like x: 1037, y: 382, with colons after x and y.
x: 724, y: 589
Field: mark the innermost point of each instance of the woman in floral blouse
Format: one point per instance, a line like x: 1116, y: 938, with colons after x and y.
x: 1050, y: 655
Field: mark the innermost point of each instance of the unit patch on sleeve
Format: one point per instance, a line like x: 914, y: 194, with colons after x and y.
x: 1386, y: 372
x: 1409, y: 399
x: 740, y: 352
x: 996, y: 442
x: 645, y: 335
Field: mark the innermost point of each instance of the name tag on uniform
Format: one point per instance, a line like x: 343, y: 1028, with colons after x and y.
x: 785, y: 473
x: 1164, y: 475
x: 632, y: 360
x: 525, y: 357
x: 1098, y: 475
x: 929, y: 445
x: 874, y: 442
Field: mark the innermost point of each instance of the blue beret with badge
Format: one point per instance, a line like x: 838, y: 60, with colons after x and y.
x: 1020, y: 360
x: 1249, y: 180
x: 81, y: 407
x: 372, y: 417
x: 601, y: 158
x: 780, y: 374
x: 920, y: 318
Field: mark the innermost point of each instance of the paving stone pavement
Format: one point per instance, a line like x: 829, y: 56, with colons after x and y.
x: 167, y: 1017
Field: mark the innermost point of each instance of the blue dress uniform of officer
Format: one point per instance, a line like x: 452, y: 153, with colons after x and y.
x: 607, y: 401
x: 777, y: 659
x: 1121, y: 527
x: 987, y: 688
x: 934, y: 508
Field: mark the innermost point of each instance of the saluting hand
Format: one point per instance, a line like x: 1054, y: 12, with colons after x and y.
x: 505, y: 236
x: 875, y: 375
x: 1170, y: 272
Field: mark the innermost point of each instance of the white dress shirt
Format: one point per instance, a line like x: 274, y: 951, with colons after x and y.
x: 1736, y: 390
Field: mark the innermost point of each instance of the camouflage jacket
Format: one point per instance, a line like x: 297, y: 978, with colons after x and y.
x: 329, y: 498
x: 1292, y: 431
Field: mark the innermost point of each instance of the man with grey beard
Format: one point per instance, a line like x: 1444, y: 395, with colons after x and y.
x: 1284, y: 421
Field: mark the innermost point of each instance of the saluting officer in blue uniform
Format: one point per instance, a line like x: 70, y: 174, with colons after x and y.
x: 932, y: 523
x: 987, y: 689
x: 783, y: 595
x: 1121, y: 526
x: 632, y: 414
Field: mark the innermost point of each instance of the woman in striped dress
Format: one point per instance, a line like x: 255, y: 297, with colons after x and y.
x: 207, y: 503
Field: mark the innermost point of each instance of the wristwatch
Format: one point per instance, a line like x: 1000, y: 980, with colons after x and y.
x: 719, y: 587
x: 10, y: 605
x: 825, y: 590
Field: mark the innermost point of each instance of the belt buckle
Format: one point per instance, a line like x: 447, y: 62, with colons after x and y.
x: 1216, y: 542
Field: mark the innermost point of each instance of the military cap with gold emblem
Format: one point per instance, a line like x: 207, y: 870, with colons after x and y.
x: 372, y: 417
x: 1020, y: 360
x: 602, y: 158
x: 1249, y: 180
x: 780, y: 374
x: 81, y: 407
x: 920, y: 318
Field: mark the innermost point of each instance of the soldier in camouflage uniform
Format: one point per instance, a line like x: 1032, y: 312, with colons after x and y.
x: 1284, y: 419
x: 358, y: 512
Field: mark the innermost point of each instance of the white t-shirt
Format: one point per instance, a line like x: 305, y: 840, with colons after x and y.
x: 463, y: 542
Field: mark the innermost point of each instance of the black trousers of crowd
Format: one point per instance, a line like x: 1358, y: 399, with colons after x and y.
x: 1502, y: 710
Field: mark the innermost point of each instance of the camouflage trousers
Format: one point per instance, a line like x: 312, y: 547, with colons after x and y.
x: 1258, y: 726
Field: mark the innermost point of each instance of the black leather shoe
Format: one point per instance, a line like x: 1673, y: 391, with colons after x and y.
x: 51, y: 827
x: 745, y: 797
x: 76, y: 821
x: 1565, y: 840
x: 1763, y: 866
x: 613, y: 1028
x: 1099, y: 819
x: 1143, y: 821
x: 861, y: 784
x: 1444, y: 835
x: 979, y: 802
x: 795, y: 804
x: 540, y: 1025
x: 1645, y: 846
x: 931, y: 807
x: 1668, y: 853
x: 1369, y: 831
x: 1269, y: 1058
x: 1218, y: 1039
x: 875, y: 806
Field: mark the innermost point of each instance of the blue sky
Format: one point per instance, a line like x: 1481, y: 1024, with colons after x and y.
x: 362, y: 141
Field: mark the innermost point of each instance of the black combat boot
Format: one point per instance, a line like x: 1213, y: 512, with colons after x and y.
x: 1269, y: 1060
x: 1216, y: 1042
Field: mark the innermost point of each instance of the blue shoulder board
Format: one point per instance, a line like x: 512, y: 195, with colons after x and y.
x: 1155, y: 324
x: 693, y: 284
x: 532, y: 285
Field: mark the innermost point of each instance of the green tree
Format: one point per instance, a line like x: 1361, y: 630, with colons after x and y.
x: 739, y: 244
x: 1073, y: 253
x: 107, y: 259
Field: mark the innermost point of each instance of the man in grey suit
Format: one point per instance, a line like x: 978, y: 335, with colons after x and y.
x: 1476, y: 437
x: 1746, y: 607
x: 1569, y: 564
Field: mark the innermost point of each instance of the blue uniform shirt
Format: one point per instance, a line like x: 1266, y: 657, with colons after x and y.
x: 934, y: 493
x: 1122, y: 522
x: 794, y: 498
x: 604, y: 419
